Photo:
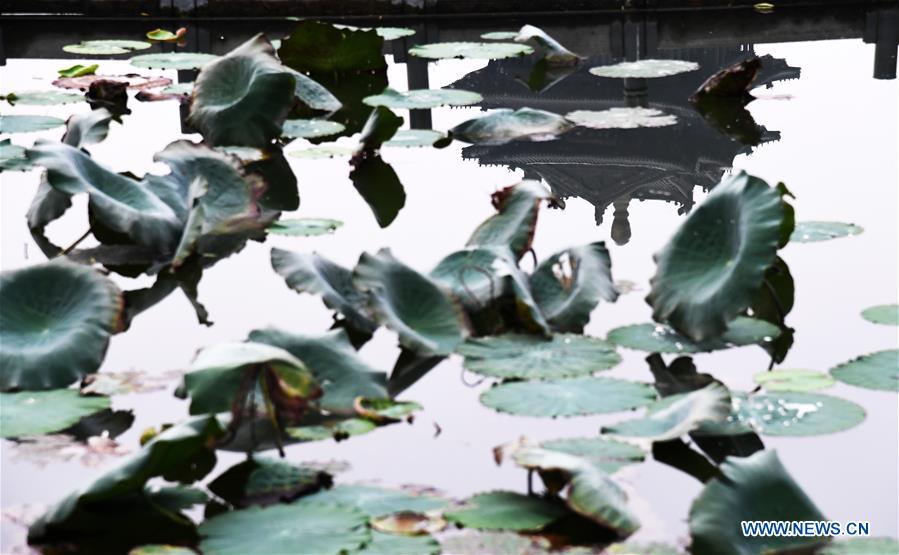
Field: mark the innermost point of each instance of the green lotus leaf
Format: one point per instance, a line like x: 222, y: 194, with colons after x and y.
x: 621, y: 118
x: 164, y: 35
x: 644, y: 69
x: 105, y: 47
x: 160, y: 549
x: 471, y: 50
x: 375, y: 501
x: 479, y: 543
x: 709, y: 271
x: 293, y: 528
x: 380, y: 126
x: 243, y: 97
x: 514, y: 223
x: 131, y: 513
x: 787, y: 413
x: 609, y: 455
x: 861, y: 546
x: 529, y: 357
x: 31, y: 413
x: 886, y: 314
x: 265, y: 481
x: 320, y: 152
x: 422, y: 98
x: 334, y: 363
x: 813, y: 232
x: 379, y: 186
x: 87, y: 128
x: 569, y: 284
x: 306, y: 128
x: 304, y: 227
x: 568, y: 397
x: 312, y: 93
x: 28, y: 124
x: 659, y: 338
x: 500, y: 35
x: 556, y: 54
x: 315, y: 274
x: 336, y: 429
x: 12, y: 157
x: 386, y: 33
x: 676, y: 415
x: 408, y: 138
x: 55, y: 324
x: 396, y: 544
x: 173, y: 60
x: 756, y: 487
x: 42, y: 98
x: 321, y: 47
x: 413, y: 305
x: 793, y: 380
x: 651, y: 548
x: 505, y: 510
x: 879, y: 370
x: 505, y: 125
x: 78, y: 70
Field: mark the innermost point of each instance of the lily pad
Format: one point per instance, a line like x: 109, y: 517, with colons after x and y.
x: 711, y: 268
x: 307, y: 128
x: 105, y: 47
x: 754, y: 488
x: 471, y: 50
x: 408, y: 138
x: 12, y: 157
x: 621, y: 118
x: 862, y: 546
x: 793, y: 380
x: 173, y: 60
x: 265, y: 481
x: 505, y: 125
x: 164, y: 35
x: 568, y: 397
x: 479, y: 543
x: 529, y: 357
x: 505, y: 510
x: 55, y: 325
x: 609, y: 455
x: 423, y: 98
x: 321, y: 152
x: 813, y: 232
x: 293, y: 528
x: 659, y: 338
x: 386, y: 33
x: 42, y: 98
x: 878, y: 370
x: 78, y: 70
x: 676, y: 415
x: 393, y: 544
x: 500, y: 35
x: 886, y: 314
x: 304, y: 227
x: 337, y: 430
x: 424, y: 316
x: 644, y: 69
x: 374, y: 501
x: 30, y: 413
x: 28, y: 124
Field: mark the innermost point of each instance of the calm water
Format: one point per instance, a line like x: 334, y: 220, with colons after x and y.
x: 832, y: 138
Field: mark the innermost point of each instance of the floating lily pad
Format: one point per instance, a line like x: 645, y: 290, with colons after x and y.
x: 307, y: 128
x: 533, y: 357
x: 609, y: 455
x: 55, y: 325
x: 78, y: 70
x: 621, y: 118
x: 304, y: 227
x: 886, y: 314
x: 394, y: 544
x: 173, y: 60
x: 423, y: 98
x: 320, y: 152
x: 105, y: 47
x: 386, y: 33
x: 505, y: 125
x: 659, y: 338
x: 505, y: 510
x: 12, y: 157
x: 500, y: 35
x: 265, y: 481
x: 293, y: 528
x: 416, y: 137
x: 568, y: 397
x: 30, y: 413
x: 652, y: 548
x: 645, y: 69
x: 338, y: 430
x: 374, y: 501
x: 471, y: 50
x: 878, y: 370
x: 793, y: 380
x: 862, y: 546
x: 42, y: 98
x: 813, y: 232
x: 164, y: 35
x: 479, y: 543
x: 28, y: 124
x: 754, y: 488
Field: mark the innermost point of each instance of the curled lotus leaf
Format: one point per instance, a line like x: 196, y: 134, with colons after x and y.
x: 754, y: 488
x: 621, y: 118
x: 711, y: 268
x: 644, y: 69
x: 556, y: 54
x: 879, y: 370
x: 42, y: 98
x: 813, y: 232
x: 308, y: 128
x: 31, y: 413
x: 793, y: 380
x: 385, y: 411
x: 78, y: 70
x: 568, y: 397
x: 28, y: 123
x: 659, y: 338
x: 608, y: 454
x: 514, y: 223
x: 304, y: 227
x: 375, y: 501
x: 12, y: 157
x: 530, y: 357
x: 243, y: 97
x: 505, y: 125
x: 173, y: 60
x: 422, y: 98
x: 471, y: 50
x: 426, y: 318
x: 886, y: 314
x: 105, y: 47
x: 55, y: 325
x: 505, y: 510
x: 265, y: 481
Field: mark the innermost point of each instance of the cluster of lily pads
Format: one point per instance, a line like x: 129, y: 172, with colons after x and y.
x: 720, y: 283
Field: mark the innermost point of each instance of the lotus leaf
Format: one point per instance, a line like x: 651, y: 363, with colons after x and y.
x: 886, y: 314
x: 793, y: 380
x: 422, y: 98
x: 514, y: 223
x: 105, y: 47
x: 320, y: 47
x: 644, y: 69
x: 479, y: 543
x: 28, y: 124
x: 317, y: 153
x: 505, y: 510
x: 42, y: 98
x: 505, y: 125
x: 304, y: 227
x: 556, y: 54
x: 31, y: 413
x: 306, y: 128
x: 386, y: 33
x: 173, y: 60
x: 78, y: 70
x: 265, y: 481
x: 529, y: 357
x: 471, y: 50
x: 12, y: 157
x: 568, y: 397
x: 375, y: 501
x: 609, y: 455
x: 394, y: 544
x: 336, y: 429
x: 621, y: 118
x: 418, y: 137
x: 658, y: 338
x: 878, y: 370
x: 813, y: 232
